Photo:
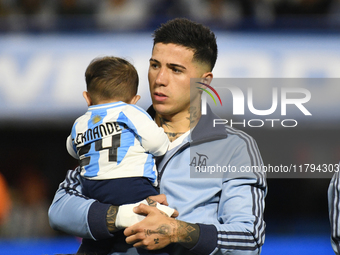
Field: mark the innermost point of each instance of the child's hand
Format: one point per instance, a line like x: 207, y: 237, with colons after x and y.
x: 160, y: 199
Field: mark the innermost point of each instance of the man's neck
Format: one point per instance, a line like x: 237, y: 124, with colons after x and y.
x: 178, y: 124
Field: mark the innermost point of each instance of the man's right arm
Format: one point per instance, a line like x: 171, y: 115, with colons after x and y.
x: 75, y: 214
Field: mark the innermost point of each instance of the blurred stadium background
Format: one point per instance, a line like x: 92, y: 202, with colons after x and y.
x: 45, y: 46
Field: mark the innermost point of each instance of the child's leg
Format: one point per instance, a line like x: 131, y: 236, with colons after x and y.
x: 119, y: 191
x: 116, y: 192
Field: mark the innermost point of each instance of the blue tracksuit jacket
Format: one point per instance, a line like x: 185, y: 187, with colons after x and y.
x: 228, y: 207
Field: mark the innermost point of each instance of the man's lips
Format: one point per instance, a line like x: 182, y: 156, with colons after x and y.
x: 159, y: 96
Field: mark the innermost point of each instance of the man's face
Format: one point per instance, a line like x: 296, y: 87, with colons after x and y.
x: 170, y: 70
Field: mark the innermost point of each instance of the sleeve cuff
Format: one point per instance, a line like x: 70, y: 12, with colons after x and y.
x: 97, y: 221
x: 207, y: 241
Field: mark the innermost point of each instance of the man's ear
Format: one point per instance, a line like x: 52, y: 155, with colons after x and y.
x: 207, y: 78
x: 87, y: 98
x: 135, y: 99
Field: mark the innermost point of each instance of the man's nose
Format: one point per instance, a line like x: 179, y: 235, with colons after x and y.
x: 162, y: 77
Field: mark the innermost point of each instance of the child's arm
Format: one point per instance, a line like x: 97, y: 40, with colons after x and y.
x: 152, y: 137
x: 70, y: 148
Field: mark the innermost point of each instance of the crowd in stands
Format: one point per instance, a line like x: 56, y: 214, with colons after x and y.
x: 107, y: 15
x: 25, y: 196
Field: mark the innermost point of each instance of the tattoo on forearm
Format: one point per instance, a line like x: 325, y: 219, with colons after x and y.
x: 178, y: 232
x: 187, y: 233
x: 111, y: 218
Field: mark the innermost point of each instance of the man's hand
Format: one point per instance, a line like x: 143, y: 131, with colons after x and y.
x: 161, y: 198
x: 158, y: 230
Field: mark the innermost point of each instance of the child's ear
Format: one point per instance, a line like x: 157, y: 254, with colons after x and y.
x: 135, y: 99
x: 87, y: 98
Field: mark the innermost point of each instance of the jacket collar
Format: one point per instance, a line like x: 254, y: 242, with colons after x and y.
x: 204, y: 130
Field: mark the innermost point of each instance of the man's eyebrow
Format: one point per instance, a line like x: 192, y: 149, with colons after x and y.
x: 176, y: 65
x: 154, y: 60
x: 170, y: 65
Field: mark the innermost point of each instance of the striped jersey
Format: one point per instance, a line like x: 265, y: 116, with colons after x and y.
x: 117, y: 140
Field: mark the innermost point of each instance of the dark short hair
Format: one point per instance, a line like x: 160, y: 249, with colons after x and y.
x: 195, y: 36
x: 111, y: 78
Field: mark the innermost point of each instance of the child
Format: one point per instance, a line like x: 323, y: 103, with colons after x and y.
x: 115, y: 140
